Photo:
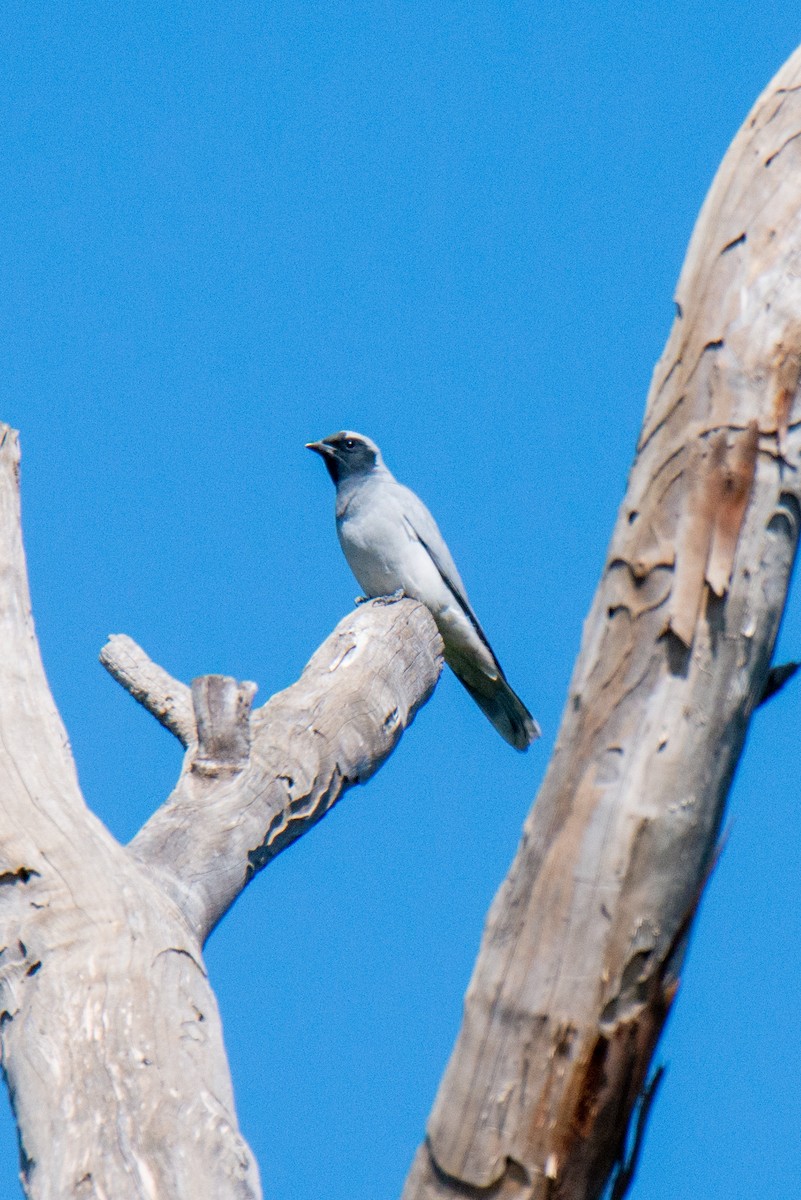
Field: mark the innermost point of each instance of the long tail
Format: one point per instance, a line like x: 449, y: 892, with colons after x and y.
x: 506, y: 710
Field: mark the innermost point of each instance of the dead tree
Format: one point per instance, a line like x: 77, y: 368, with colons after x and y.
x: 111, y: 1039
x: 583, y: 945
x: 110, y: 1036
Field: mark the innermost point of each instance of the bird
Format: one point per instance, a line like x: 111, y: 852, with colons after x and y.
x: 393, y: 545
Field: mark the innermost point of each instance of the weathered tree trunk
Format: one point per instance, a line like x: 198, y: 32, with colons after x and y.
x: 109, y: 1032
x: 583, y: 945
x: 110, y: 1036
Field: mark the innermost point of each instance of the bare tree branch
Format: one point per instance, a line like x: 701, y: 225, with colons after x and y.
x: 777, y: 677
x: 583, y: 945
x: 228, y: 818
x: 628, y: 1167
x: 110, y: 1037
x: 166, y: 698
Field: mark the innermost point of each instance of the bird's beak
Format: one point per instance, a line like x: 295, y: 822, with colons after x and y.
x: 321, y: 449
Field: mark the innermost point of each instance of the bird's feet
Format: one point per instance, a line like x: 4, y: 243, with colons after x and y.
x: 392, y: 598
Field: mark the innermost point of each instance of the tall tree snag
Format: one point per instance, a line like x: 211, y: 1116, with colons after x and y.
x: 583, y: 945
x: 110, y: 1037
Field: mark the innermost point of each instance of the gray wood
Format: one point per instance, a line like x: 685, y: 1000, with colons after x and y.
x: 582, y: 951
x: 166, y: 698
x: 109, y: 1032
x: 110, y: 1036
x: 332, y: 729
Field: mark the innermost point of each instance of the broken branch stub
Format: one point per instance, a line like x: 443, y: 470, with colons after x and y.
x: 582, y: 948
x: 222, y: 713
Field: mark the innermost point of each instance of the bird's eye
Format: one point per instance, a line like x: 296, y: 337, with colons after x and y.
x: 349, y: 443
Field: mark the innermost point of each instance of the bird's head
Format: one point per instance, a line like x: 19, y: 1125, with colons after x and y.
x: 347, y: 454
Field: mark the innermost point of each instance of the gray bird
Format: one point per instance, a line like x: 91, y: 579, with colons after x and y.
x: 392, y: 544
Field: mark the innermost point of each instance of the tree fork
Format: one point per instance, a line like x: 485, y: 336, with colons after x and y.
x: 583, y: 946
x: 110, y: 1036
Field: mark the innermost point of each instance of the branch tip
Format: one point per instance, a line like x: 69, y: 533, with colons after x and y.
x: 776, y: 678
x: 167, y: 699
x: 627, y: 1169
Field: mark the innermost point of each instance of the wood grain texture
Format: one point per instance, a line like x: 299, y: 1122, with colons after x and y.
x: 332, y: 729
x: 583, y: 946
x: 167, y: 699
x: 110, y: 1036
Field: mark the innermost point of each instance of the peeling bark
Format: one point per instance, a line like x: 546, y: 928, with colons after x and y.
x: 110, y: 1036
x: 109, y: 1033
x: 582, y: 951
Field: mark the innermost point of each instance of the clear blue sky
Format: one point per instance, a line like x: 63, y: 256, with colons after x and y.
x: 228, y: 229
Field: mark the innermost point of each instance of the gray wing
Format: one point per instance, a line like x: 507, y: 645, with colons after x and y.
x: 424, y: 529
x: 494, y: 696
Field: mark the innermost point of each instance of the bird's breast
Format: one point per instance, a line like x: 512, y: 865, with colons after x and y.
x: 386, y: 558
x: 370, y: 547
